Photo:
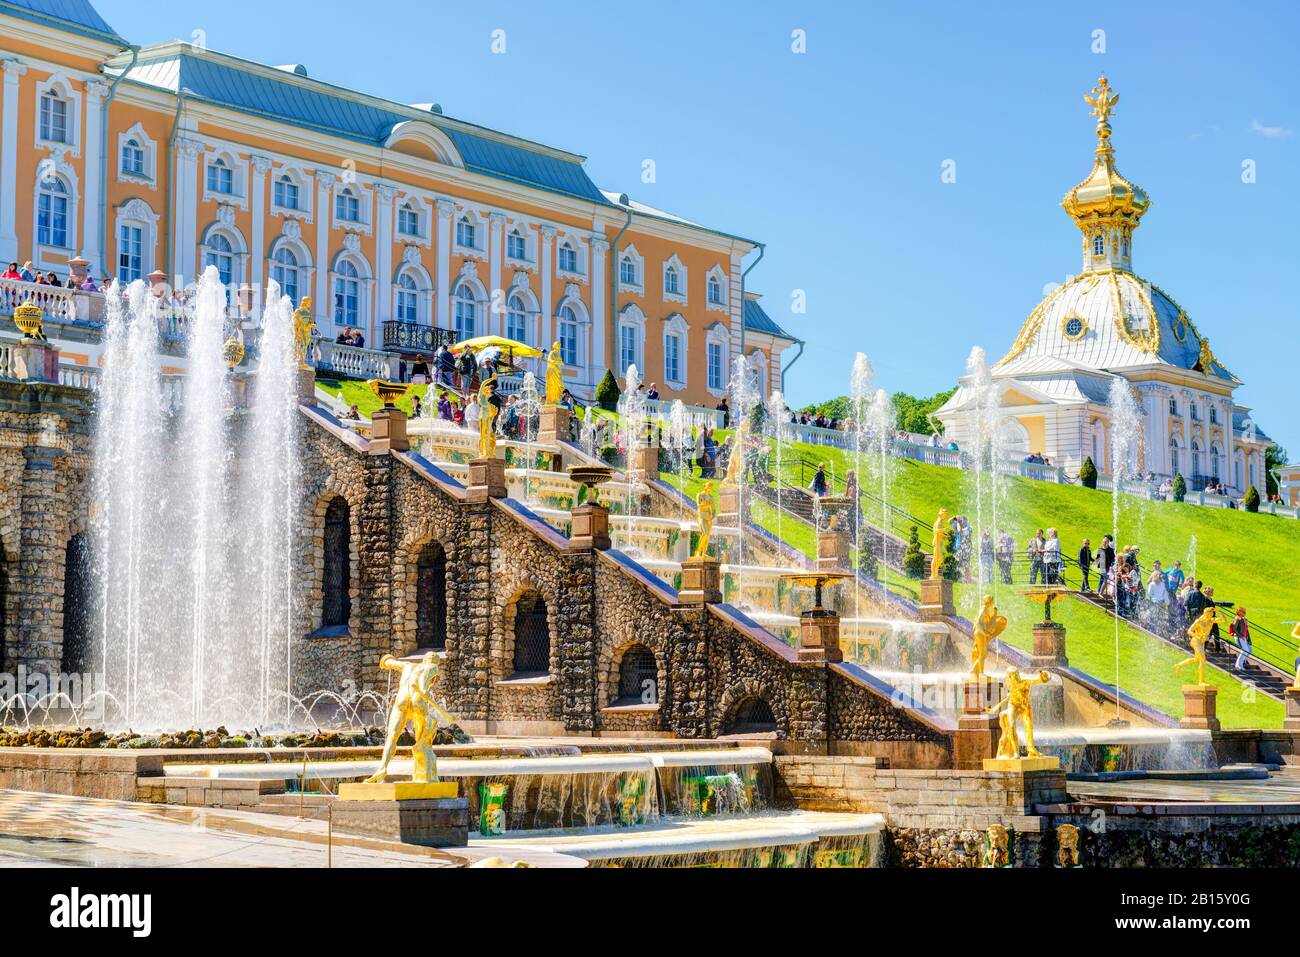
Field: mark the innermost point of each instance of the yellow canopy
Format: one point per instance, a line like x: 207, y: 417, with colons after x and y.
x: 517, y: 349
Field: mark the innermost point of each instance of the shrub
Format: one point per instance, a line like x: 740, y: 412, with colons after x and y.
x: 913, y: 558
x: 1180, y: 487
x: 1088, y: 473
x: 1251, y: 501
x: 949, y: 569
x: 607, y: 393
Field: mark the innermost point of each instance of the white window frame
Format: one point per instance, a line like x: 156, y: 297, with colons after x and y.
x: 365, y: 282
x: 306, y: 194
x: 676, y: 326
x: 470, y: 283
x: 719, y: 275
x: 572, y: 302
x: 638, y: 263
x: 301, y: 252
x: 136, y: 214
x: 580, y: 255
x: 525, y: 233
x: 632, y: 319
x: 422, y: 289
x: 238, y: 179
x: 365, y: 208
x: 67, y: 176
x: 148, y: 147
x: 517, y: 311
x: 238, y: 250
x: 683, y: 276
x: 718, y: 337
x: 60, y: 86
x: 480, y: 225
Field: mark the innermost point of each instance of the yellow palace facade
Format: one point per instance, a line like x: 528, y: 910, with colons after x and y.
x: 395, y: 219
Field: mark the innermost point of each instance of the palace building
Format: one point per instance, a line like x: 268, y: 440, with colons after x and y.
x: 1055, y: 380
x: 396, y: 219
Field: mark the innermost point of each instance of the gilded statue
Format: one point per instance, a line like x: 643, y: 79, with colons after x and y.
x: 997, y: 852
x: 304, y: 329
x: 1206, y: 358
x: 1067, y: 845
x: 987, y: 627
x: 1198, y: 633
x: 555, y: 374
x: 736, y: 463
x: 413, y: 703
x: 1017, y: 708
x: 1102, y: 100
x: 939, y: 543
x: 706, y: 509
x: 487, y: 420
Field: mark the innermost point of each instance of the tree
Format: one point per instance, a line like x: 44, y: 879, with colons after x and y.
x: 607, y: 393
x: 913, y: 414
x: 1251, y: 501
x: 1274, y: 458
x: 1180, y: 487
x: 949, y: 568
x: 1088, y: 473
x: 913, y: 557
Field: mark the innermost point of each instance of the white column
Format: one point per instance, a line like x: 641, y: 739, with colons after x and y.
x: 544, y: 267
x: 385, y: 196
x: 599, y: 283
x: 1228, y: 437
x: 446, y: 213
x: 93, y: 231
x: 324, y: 210
x: 13, y: 70
x: 185, y: 229
x: 261, y: 165
x: 496, y: 295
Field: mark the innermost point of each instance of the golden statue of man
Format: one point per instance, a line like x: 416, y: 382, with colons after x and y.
x: 706, y: 509
x: 303, y: 329
x: 987, y: 627
x: 938, y: 543
x: 1019, y: 709
x: 1198, y: 633
x: 736, y: 463
x: 487, y: 418
x: 413, y: 703
x: 555, y: 374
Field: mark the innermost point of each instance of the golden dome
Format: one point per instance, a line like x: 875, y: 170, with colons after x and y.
x: 1105, y: 197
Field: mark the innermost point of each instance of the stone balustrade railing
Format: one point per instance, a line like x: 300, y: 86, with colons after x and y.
x: 354, y: 363
x: 78, y: 377
x: 696, y: 415
x: 55, y: 302
x: 8, y: 368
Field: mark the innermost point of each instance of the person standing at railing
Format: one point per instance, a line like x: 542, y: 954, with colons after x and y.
x: 1085, y: 565
x: 1035, y: 552
x: 1052, y: 558
x: 818, y: 486
x: 1240, y: 629
x: 1006, y: 551
x: 1158, y: 598
x: 12, y: 273
x: 472, y: 412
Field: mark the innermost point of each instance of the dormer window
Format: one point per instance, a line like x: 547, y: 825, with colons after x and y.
x: 567, y: 257
x: 465, y: 233
x: 347, y: 207
x: 408, y: 220
x: 54, y: 119
x: 1098, y: 245
x: 221, y: 178
x: 1123, y: 246
x: 286, y: 193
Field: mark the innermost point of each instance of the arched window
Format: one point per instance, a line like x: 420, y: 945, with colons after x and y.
x: 52, y: 212
x: 221, y: 178
x: 1196, y: 459
x: 1214, y: 461
x: 1173, y: 406
x: 465, y: 233
x: 567, y: 257
x: 753, y: 715
x: 1214, y: 416
x: 516, y: 318
x: 285, y: 271
x: 347, y: 295
x: 516, y: 245
x: 54, y: 119
x: 408, y: 219
x: 1173, y: 457
x: 627, y: 271
x: 431, y: 597
x: 532, y: 656
x: 568, y: 329
x: 408, y: 298
x: 77, y: 602
x: 286, y: 192
x: 347, y: 206
x: 221, y: 253
x: 466, y: 312
x: 133, y: 160
x: 672, y: 281
x: 1098, y: 245
x: 638, y: 677
x: 715, y: 291
x: 1123, y: 247
x: 130, y: 252
x: 336, y: 586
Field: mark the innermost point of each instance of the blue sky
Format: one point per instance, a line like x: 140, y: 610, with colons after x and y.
x: 833, y: 156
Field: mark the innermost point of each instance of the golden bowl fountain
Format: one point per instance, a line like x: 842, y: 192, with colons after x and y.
x: 233, y: 352
x: 1046, y: 594
x: 591, y: 477
x: 388, y: 392
x: 27, y: 318
x: 816, y: 581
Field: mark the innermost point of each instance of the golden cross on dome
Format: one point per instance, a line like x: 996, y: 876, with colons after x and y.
x: 1102, y: 100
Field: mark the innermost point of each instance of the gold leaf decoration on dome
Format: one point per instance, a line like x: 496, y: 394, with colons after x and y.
x: 1105, y: 198
x: 1180, y: 327
x: 1147, y: 340
x: 1034, y: 322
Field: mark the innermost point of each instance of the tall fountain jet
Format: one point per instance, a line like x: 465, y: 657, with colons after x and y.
x: 194, y: 520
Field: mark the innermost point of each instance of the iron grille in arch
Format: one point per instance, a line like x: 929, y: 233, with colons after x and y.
x: 431, y: 597
x: 532, y: 636
x: 638, y: 677
x: 337, y: 583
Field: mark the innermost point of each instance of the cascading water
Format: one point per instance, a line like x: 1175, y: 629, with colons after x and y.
x: 193, y: 521
x: 680, y: 444
x: 881, y: 417
x: 589, y: 432
x: 777, y: 424
x: 1125, y: 426
x: 860, y: 384
x: 529, y: 409
x: 988, y: 453
x: 744, y: 399
x: 631, y: 407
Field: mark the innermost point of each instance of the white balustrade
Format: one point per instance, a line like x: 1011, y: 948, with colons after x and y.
x: 353, y: 362
x: 55, y: 301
